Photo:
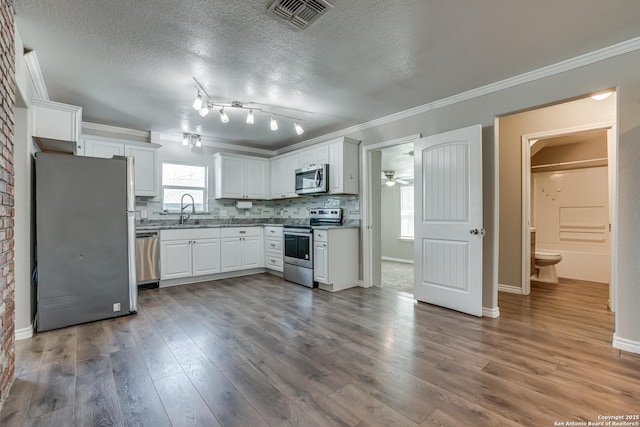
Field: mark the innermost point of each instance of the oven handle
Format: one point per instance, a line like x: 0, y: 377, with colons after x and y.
x: 301, y: 234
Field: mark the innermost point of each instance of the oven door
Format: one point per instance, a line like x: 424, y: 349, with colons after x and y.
x: 312, y: 180
x: 298, y: 248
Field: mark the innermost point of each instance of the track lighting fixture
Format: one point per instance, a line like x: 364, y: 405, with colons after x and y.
x: 223, y: 116
x: 191, y: 140
x: 203, y: 105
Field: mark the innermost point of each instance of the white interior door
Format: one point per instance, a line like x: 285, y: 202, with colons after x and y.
x: 448, y: 220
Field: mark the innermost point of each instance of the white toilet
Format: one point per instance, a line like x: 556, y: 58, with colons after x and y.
x: 546, y: 265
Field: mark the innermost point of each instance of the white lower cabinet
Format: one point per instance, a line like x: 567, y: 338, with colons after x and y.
x: 190, y: 252
x: 273, y: 246
x: 241, y: 248
x: 335, y: 258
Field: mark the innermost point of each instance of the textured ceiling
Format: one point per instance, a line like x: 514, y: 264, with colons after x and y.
x: 131, y: 63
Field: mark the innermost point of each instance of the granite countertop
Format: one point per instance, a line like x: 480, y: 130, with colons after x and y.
x: 169, y: 225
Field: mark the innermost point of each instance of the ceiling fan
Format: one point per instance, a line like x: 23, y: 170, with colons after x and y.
x: 391, y: 179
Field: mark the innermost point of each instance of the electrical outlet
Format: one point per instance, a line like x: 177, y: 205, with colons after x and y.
x: 143, y: 214
x: 224, y: 212
x: 116, y: 306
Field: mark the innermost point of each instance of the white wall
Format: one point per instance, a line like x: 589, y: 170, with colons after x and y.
x: 572, y: 218
x: 23, y: 205
x: 392, y: 246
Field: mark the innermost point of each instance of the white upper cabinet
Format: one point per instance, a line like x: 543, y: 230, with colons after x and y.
x: 145, y: 165
x: 56, y: 126
x: 283, y: 178
x: 102, y: 149
x: 343, y: 166
x: 314, y: 156
x: 240, y: 177
x: 145, y: 159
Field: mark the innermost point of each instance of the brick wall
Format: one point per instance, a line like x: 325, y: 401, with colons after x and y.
x: 7, y: 102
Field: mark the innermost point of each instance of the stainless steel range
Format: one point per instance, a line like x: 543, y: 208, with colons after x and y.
x: 298, y: 245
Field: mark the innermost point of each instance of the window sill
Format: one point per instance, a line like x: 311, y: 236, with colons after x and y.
x: 406, y: 239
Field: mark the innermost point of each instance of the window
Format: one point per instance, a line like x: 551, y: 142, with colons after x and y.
x: 406, y: 212
x: 179, y: 179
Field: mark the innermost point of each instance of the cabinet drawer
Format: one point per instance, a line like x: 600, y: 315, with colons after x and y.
x: 241, y: 231
x: 273, y: 245
x: 190, y: 234
x: 273, y: 262
x: 320, y: 235
x: 270, y: 231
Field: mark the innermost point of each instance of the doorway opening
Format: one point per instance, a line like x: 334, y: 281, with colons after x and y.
x: 388, y: 196
x: 568, y: 199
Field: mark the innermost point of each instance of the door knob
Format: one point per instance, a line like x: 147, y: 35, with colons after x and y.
x: 476, y: 231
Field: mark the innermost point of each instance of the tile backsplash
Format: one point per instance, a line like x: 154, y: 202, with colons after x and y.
x: 286, y: 209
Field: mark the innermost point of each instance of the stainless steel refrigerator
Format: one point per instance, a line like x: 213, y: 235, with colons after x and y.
x: 85, y: 239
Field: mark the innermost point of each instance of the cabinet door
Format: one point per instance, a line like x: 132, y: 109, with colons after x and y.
x: 277, y: 192
x: 321, y: 155
x: 252, y: 252
x: 231, y: 249
x: 289, y: 166
x: 231, y: 177
x: 145, y: 163
x: 106, y: 150
x: 206, y: 256
x: 175, y: 259
x: 53, y: 120
x: 320, y: 263
x: 336, y: 159
x: 256, y: 174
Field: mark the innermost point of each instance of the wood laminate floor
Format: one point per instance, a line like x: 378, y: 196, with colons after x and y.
x: 259, y: 351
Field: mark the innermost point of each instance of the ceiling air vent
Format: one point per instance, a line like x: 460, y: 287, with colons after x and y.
x: 300, y: 13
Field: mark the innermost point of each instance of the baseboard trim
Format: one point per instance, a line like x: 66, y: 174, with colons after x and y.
x: 405, y: 261
x: 509, y: 289
x: 210, y: 277
x: 24, y: 333
x: 491, y: 312
x: 626, y: 345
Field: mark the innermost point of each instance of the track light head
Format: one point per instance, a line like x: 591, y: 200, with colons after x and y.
x: 185, y: 139
x: 250, y: 119
x: 197, y: 104
x: 198, y: 141
x: 274, y: 124
x: 204, y: 110
x: 223, y: 116
x: 298, y: 128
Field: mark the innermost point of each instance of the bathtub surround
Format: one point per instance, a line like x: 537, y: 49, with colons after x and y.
x: 571, y: 216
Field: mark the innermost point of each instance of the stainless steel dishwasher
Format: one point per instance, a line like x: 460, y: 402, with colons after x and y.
x: 147, y: 258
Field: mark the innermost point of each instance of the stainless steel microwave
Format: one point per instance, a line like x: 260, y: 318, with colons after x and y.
x: 312, y: 179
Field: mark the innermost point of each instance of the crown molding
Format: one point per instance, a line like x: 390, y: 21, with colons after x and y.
x: 33, y: 66
x: 540, y: 73
x: 115, y: 129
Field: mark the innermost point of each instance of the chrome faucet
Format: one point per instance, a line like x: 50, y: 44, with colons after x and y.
x: 184, y: 217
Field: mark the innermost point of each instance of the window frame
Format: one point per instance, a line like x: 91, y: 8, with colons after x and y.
x: 405, y: 211
x: 205, y: 189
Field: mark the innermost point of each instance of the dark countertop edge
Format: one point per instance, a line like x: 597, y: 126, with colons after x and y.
x: 192, y: 226
x: 333, y: 227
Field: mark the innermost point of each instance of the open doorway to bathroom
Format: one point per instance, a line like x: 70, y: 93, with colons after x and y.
x: 388, y: 196
x: 563, y: 235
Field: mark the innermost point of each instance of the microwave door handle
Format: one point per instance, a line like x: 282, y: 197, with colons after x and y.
x: 318, y: 178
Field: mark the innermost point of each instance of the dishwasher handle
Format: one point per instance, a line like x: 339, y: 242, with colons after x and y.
x: 146, y: 234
